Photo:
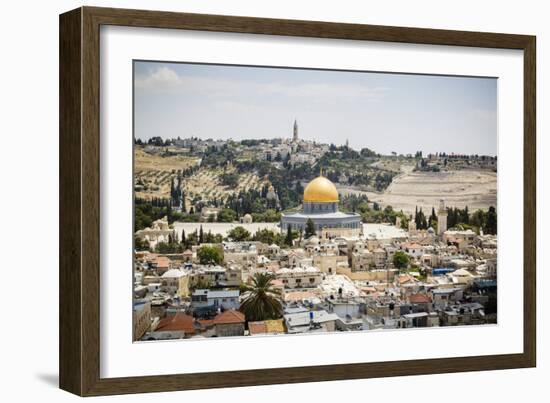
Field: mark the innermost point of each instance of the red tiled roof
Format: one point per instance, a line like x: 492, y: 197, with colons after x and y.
x: 178, y: 322
x: 151, y: 257
x: 162, y: 261
x: 257, y: 327
x: 420, y: 298
x: 273, y: 326
x: 299, y: 295
x: 405, y: 278
x: 229, y: 317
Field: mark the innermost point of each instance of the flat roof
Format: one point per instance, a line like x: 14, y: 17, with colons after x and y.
x: 218, y: 293
x: 383, y: 231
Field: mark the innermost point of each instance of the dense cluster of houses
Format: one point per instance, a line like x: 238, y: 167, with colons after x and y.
x: 325, y: 284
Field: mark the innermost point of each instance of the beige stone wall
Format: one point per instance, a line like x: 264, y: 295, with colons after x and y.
x: 226, y: 330
x: 377, y: 275
x: 340, y: 232
x: 245, y: 259
x: 183, y: 287
x: 142, y: 321
x: 328, y: 263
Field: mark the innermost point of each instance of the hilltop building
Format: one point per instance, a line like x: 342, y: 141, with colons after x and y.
x: 160, y: 231
x: 295, y: 133
x: 320, y: 204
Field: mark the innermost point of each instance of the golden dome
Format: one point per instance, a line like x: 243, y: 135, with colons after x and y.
x: 320, y: 190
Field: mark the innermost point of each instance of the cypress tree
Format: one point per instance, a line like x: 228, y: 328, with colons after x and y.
x: 491, y: 222
x: 310, y: 228
x: 183, y: 240
x: 288, y: 239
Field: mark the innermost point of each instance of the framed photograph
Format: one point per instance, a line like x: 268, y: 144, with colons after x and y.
x: 249, y: 201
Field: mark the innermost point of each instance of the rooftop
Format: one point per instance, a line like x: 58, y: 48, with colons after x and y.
x: 305, y: 318
x: 217, y: 293
x: 174, y: 273
x: 266, y: 326
x: 383, y: 231
x: 419, y: 298
x: 177, y: 322
x: 229, y: 317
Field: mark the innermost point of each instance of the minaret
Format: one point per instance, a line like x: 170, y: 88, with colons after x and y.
x: 441, y: 218
x: 295, y: 134
x: 412, y: 224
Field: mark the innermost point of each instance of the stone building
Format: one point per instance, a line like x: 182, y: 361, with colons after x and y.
x: 175, y: 282
x: 300, y: 277
x: 159, y: 231
x: 229, y: 323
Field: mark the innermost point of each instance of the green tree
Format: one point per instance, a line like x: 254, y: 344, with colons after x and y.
x: 230, y: 180
x: 491, y: 221
x: 310, y: 228
x: 432, y: 222
x: 227, y: 215
x: 268, y: 237
x: 465, y: 216
x: 210, y: 255
x: 183, y: 241
x: 478, y: 219
x: 239, y: 234
x: 420, y: 219
x: 169, y: 247
x: 400, y: 259
x: 201, y: 235
x: 141, y: 244
x: 289, y: 238
x: 261, y: 300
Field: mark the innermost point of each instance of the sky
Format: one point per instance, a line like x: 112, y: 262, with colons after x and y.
x: 400, y: 113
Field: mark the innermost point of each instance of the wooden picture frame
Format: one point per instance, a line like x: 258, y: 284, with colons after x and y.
x: 79, y: 348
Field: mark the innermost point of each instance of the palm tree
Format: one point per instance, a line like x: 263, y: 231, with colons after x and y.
x: 261, y: 301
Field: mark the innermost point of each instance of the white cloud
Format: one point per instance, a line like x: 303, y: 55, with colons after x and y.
x: 164, y: 79
x: 160, y: 77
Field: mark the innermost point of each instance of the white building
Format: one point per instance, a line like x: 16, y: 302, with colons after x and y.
x: 306, y: 321
x: 226, y: 299
x: 300, y: 277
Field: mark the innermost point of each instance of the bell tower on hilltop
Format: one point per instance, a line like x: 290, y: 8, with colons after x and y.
x: 295, y: 133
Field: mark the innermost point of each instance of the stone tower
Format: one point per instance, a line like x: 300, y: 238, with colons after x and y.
x: 441, y: 218
x: 412, y: 224
x: 295, y: 133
